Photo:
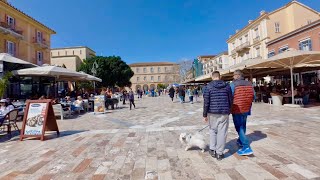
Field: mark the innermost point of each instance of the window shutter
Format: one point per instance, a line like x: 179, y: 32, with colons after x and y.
x: 15, y: 49
x: 14, y: 23
x: 35, y: 37
x: 310, y: 45
x: 5, y: 46
x: 300, y: 46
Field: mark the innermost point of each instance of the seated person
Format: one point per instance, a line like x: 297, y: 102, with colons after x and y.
x: 275, y: 92
x: 78, y: 104
x: 5, y: 107
x: 68, y: 99
x: 42, y: 97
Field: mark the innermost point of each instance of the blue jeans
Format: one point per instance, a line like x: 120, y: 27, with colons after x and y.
x: 240, y: 123
x: 191, y: 98
x: 181, y: 99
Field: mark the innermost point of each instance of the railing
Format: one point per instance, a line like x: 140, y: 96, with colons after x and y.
x: 41, y: 42
x: 242, y: 46
x: 256, y: 39
x: 11, y: 28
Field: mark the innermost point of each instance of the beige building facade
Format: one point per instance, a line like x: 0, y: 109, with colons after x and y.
x: 214, y: 62
x: 22, y: 36
x: 71, y: 57
x: 250, y: 42
x: 147, y: 76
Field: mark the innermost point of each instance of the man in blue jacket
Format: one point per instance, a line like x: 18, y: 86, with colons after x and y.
x: 217, y: 107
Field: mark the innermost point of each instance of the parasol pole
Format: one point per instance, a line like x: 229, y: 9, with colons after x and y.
x: 291, y: 74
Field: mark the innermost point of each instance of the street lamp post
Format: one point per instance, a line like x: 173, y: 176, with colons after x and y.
x: 94, y: 72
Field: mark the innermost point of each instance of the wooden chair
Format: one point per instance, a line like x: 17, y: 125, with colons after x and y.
x: 90, y: 106
x: 58, y: 111
x: 11, y: 120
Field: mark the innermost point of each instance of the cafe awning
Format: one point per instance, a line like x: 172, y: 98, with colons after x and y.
x: 4, y: 57
x: 289, y: 60
x: 90, y: 77
x: 52, y: 71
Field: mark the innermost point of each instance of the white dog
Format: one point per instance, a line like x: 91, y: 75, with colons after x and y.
x: 195, y: 140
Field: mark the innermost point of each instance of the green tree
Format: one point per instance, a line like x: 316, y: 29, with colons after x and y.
x: 161, y: 86
x: 111, y: 69
x: 4, y: 82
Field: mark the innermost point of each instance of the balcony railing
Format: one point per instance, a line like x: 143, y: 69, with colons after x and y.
x: 256, y: 39
x: 41, y: 43
x: 243, y: 47
x: 5, y: 28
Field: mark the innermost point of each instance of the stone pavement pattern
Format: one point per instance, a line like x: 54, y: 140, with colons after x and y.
x: 143, y: 144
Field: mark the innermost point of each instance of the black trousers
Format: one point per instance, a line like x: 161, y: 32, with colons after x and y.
x: 132, y: 103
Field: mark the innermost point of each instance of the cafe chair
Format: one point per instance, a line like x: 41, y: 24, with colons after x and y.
x: 298, y: 100
x: 11, y: 120
x: 90, y: 106
x: 277, y: 100
x: 58, y: 111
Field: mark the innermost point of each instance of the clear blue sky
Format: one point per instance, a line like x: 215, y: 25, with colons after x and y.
x: 148, y: 30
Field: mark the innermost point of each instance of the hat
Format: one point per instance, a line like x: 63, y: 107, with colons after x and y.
x: 3, y: 101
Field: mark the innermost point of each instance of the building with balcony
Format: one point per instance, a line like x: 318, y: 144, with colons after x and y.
x: 148, y: 75
x: 250, y: 42
x: 22, y: 36
x: 71, y: 57
x: 213, y: 63
x: 306, y: 38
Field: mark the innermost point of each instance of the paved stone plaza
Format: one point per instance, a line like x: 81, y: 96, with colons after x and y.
x: 143, y: 144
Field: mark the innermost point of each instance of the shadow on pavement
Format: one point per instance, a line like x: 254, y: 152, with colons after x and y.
x: 15, y: 135
x: 233, y: 147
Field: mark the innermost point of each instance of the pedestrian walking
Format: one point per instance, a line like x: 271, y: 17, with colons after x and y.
x: 243, y: 95
x: 131, y: 99
x: 124, y: 96
x: 181, y: 93
x: 216, y: 110
x: 184, y: 94
x: 190, y: 94
x: 177, y: 92
x: 171, y: 93
x: 196, y: 94
x: 138, y: 93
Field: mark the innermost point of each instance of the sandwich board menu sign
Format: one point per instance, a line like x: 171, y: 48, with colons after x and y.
x: 99, y: 104
x: 39, y: 118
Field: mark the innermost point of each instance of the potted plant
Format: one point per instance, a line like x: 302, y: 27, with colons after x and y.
x: 4, y: 82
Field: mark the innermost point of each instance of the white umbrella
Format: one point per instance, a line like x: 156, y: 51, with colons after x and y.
x: 91, y: 78
x: 53, y: 71
x: 292, y: 59
x: 10, y: 59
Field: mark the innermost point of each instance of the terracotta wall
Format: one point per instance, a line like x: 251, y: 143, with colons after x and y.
x: 293, y: 41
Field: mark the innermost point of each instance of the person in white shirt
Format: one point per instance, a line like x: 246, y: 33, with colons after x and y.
x: 5, y: 107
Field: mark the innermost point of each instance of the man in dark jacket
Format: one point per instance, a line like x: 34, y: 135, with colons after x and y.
x: 243, y: 94
x: 182, y: 93
x: 217, y: 107
x: 171, y: 93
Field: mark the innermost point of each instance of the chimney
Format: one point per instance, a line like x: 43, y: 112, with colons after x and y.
x: 262, y: 12
x: 250, y: 21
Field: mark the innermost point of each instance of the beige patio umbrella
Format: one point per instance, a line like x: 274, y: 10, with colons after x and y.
x: 4, y: 57
x: 90, y: 77
x: 52, y: 71
x: 249, y: 66
x: 291, y: 59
